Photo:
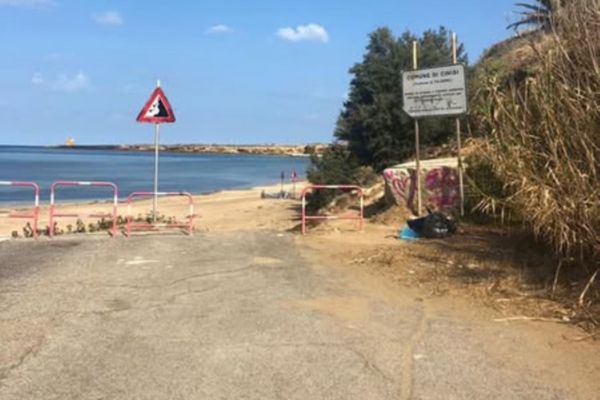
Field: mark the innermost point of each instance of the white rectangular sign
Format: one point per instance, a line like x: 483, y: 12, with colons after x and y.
x: 435, y: 92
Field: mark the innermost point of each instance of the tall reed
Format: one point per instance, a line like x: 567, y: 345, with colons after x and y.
x: 545, y: 134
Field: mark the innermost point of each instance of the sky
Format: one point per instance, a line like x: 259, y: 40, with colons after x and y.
x: 235, y: 71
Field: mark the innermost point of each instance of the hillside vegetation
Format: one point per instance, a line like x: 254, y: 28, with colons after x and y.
x: 537, y: 106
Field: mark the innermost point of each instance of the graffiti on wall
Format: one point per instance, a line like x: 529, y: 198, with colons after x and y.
x: 440, y: 187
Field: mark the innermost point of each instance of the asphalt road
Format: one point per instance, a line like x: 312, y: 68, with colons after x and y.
x: 233, y: 316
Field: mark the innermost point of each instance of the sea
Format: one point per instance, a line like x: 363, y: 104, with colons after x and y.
x: 134, y: 171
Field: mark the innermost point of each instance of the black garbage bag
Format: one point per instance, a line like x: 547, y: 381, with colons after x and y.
x: 433, y: 226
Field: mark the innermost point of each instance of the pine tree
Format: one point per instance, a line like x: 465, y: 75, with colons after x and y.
x: 377, y: 130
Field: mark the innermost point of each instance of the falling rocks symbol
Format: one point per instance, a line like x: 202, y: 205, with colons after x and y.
x: 157, y: 109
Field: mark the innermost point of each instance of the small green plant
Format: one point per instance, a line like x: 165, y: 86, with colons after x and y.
x: 57, y: 230
x: 28, y: 231
x: 80, y: 226
x: 309, y: 149
x: 335, y: 167
x: 106, y: 224
x: 101, y: 225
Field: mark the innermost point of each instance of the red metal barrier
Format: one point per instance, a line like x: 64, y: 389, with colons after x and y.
x: 113, y: 216
x: 141, y: 226
x: 35, y: 214
x: 360, y: 217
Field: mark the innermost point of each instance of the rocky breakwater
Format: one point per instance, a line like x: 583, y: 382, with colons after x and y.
x: 279, y: 150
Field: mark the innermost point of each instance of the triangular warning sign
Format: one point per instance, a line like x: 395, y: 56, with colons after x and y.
x: 157, y: 109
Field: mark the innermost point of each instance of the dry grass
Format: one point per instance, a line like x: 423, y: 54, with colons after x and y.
x: 545, y: 139
x: 508, y: 273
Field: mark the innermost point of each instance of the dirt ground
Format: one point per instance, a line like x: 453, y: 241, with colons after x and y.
x: 250, y: 308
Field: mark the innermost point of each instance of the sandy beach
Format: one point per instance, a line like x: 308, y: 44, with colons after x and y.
x: 224, y: 211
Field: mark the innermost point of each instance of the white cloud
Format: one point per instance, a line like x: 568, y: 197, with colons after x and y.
x: 27, y: 3
x: 63, y: 82
x: 219, y: 29
x: 310, y: 32
x: 37, y: 79
x: 76, y: 83
x: 113, y: 18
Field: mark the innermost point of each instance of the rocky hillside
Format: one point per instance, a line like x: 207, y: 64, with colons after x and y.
x: 270, y: 149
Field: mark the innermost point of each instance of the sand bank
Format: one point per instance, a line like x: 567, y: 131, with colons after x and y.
x: 227, y: 210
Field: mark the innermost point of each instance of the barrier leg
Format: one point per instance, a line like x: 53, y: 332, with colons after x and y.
x: 114, y: 221
x: 51, y: 221
x: 304, y: 213
x: 191, y: 222
x: 361, y: 221
x: 36, y: 218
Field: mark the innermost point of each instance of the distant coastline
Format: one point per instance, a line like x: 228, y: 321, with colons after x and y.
x: 263, y: 149
x: 132, y: 171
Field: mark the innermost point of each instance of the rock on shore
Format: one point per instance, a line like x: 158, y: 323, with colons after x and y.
x: 268, y: 149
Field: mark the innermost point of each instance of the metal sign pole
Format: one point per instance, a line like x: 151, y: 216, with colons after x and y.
x: 458, y: 138
x: 157, y: 110
x: 156, y: 149
x: 417, y: 143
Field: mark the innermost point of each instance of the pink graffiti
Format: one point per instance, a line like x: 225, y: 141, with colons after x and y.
x: 441, y: 185
x: 440, y: 192
x: 404, y: 188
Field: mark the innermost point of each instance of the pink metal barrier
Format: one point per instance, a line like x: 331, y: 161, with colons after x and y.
x: 34, y: 216
x: 113, y: 215
x: 141, y: 226
x: 360, y: 217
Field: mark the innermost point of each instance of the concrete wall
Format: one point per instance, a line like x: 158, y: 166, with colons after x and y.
x: 439, y: 179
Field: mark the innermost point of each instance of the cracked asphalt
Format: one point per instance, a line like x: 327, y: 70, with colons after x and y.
x: 242, y: 315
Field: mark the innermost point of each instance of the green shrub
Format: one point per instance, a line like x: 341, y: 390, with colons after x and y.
x: 310, y: 149
x: 336, y: 166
